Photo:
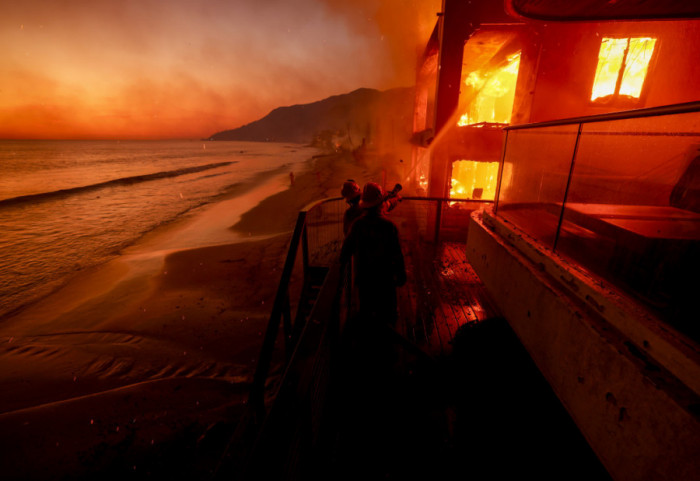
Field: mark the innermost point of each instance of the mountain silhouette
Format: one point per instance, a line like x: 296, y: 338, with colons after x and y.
x: 356, y: 116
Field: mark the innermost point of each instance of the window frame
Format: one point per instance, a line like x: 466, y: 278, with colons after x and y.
x: 615, y: 99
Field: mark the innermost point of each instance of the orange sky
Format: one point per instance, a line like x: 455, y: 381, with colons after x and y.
x: 146, y: 69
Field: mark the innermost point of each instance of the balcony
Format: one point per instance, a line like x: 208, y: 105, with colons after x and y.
x: 618, y: 196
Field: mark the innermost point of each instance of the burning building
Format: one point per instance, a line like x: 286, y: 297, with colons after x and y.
x: 581, y: 123
x: 555, y: 157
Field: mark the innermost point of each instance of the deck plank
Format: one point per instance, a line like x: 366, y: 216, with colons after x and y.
x: 454, y: 287
x: 442, y: 294
x: 452, y: 280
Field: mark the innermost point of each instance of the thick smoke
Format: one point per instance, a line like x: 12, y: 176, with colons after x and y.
x: 405, y: 26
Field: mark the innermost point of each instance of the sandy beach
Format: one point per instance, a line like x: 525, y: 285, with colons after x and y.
x: 140, y: 367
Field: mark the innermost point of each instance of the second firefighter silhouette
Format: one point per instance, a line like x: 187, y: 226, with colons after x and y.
x: 373, y: 243
x: 351, y: 193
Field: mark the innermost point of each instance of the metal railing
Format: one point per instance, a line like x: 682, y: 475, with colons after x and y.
x: 311, y: 257
x: 318, y: 233
x: 285, y: 410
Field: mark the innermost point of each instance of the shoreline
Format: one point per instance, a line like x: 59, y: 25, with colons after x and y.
x: 187, y: 303
x: 242, y: 189
x: 73, y: 229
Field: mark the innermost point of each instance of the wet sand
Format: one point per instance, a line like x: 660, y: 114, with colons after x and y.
x: 141, y: 366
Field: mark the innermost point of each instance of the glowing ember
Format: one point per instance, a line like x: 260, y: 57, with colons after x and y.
x: 622, y: 66
x: 473, y: 180
x: 491, y: 93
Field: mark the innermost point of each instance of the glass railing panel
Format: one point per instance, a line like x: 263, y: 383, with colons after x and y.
x: 632, y: 214
x: 535, y: 171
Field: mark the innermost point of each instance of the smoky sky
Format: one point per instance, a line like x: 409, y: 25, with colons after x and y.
x: 186, y: 68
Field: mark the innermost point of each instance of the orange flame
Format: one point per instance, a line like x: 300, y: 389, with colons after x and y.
x: 636, y: 66
x: 473, y: 180
x: 493, y: 93
x: 622, y: 66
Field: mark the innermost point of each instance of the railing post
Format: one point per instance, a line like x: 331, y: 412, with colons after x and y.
x: 305, y: 253
x: 500, y: 174
x: 300, y: 317
x: 568, y: 184
x: 287, y: 322
x: 438, y: 221
x: 348, y: 286
x: 257, y: 389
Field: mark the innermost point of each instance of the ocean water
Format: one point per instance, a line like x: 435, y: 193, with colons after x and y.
x: 69, y: 205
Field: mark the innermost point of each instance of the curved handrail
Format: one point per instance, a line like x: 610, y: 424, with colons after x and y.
x: 316, y: 203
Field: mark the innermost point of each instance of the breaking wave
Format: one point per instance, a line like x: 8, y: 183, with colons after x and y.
x: 43, y: 196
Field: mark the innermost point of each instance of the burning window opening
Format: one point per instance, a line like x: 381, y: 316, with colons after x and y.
x: 622, y: 67
x: 492, y: 93
x: 473, y: 180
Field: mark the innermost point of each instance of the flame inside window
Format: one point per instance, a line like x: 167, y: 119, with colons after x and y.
x: 491, y: 94
x: 622, y: 66
x: 473, y: 180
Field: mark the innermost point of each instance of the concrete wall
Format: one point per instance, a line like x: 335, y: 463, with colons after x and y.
x: 640, y: 419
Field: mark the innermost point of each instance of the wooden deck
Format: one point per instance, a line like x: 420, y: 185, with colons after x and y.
x: 442, y: 294
x: 367, y: 403
x: 470, y: 409
x: 387, y: 411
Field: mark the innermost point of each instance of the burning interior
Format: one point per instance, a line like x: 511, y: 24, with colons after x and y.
x: 490, y: 66
x: 622, y: 68
x: 473, y: 180
x: 488, y: 93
